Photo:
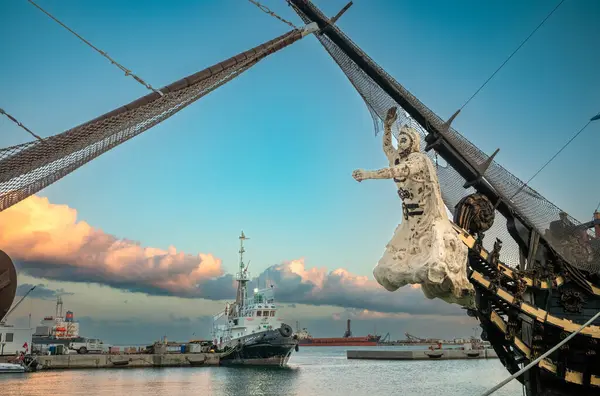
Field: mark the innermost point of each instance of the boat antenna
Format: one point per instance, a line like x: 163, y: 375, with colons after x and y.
x: 242, y: 251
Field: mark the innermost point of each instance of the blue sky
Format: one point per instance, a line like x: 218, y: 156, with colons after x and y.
x: 272, y: 152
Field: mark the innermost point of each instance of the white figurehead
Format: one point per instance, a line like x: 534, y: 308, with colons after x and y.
x: 425, y: 248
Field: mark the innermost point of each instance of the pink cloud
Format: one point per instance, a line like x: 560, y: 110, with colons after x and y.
x: 39, y: 233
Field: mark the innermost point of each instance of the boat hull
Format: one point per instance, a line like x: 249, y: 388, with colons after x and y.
x: 268, y: 348
x: 7, y: 368
x: 333, y: 344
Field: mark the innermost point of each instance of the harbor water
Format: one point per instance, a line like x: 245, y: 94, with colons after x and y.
x: 315, y: 371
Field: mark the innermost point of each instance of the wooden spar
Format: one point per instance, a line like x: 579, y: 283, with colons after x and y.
x: 339, y: 14
x: 282, y: 42
x: 54, y: 146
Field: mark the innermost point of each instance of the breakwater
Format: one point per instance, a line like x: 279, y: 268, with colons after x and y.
x: 427, y: 354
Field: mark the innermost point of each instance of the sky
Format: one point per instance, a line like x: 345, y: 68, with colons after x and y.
x: 272, y: 152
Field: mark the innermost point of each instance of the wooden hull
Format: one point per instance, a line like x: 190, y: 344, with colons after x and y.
x: 523, y: 317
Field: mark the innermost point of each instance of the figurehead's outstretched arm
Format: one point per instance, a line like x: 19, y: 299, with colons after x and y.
x: 399, y: 171
x: 388, y: 149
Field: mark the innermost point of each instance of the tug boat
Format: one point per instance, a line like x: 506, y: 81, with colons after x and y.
x: 253, y: 332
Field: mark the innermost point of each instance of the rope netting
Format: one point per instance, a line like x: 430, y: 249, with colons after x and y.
x: 575, y: 244
x: 28, y: 168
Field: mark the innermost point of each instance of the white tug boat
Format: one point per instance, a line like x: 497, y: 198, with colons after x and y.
x: 253, y: 332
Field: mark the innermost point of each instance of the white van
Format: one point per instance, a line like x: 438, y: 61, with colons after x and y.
x: 85, y: 345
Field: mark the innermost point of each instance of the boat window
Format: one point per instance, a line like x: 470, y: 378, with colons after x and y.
x: 9, y: 337
x: 265, y: 313
x: 258, y: 313
x: 272, y: 313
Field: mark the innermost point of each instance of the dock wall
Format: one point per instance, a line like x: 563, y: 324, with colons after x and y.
x: 73, y: 361
x: 446, y: 354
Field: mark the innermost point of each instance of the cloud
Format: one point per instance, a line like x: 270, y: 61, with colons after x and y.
x: 47, y: 241
x: 40, y: 291
x: 317, y: 286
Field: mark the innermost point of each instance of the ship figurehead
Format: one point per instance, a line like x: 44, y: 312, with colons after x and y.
x: 425, y: 249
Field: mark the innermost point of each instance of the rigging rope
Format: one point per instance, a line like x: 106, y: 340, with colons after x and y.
x: 536, y: 361
x: 554, y: 156
x: 511, y: 55
x: 104, y: 54
x: 13, y: 119
x: 550, y: 160
x: 266, y: 10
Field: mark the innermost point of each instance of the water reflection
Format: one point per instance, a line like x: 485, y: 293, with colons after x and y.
x: 312, y: 371
x: 258, y: 381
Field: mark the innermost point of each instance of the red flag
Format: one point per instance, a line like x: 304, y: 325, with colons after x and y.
x: 25, y: 346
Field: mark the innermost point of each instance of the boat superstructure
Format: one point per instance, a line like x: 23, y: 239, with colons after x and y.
x: 250, y: 330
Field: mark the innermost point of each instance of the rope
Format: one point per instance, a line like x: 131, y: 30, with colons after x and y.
x: 511, y: 55
x: 536, y: 361
x: 550, y: 160
x: 597, y: 207
x: 13, y: 119
x: 104, y: 54
x: 266, y: 10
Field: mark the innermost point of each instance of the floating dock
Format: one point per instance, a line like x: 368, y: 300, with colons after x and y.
x: 427, y: 354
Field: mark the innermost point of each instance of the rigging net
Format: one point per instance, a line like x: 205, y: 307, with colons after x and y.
x: 28, y: 168
x: 576, y: 244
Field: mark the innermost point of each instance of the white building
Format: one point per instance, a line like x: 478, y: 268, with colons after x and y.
x: 14, y: 340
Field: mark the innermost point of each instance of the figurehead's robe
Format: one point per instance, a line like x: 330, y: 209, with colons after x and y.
x: 425, y: 248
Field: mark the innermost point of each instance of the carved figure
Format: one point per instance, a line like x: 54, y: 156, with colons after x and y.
x: 425, y: 248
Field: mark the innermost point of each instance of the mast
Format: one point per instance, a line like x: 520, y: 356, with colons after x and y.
x: 59, y: 307
x: 242, y: 277
x: 597, y: 223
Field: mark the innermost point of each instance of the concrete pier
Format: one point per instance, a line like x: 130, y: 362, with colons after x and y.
x: 74, y: 361
x: 426, y: 354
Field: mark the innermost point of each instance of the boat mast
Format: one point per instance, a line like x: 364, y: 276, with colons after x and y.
x: 242, y: 278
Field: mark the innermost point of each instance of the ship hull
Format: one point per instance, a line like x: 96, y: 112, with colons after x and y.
x: 268, y: 348
x: 334, y: 344
x: 52, y: 341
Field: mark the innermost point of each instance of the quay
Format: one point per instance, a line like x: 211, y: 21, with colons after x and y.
x: 426, y: 354
x: 73, y: 361
x: 89, y: 361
